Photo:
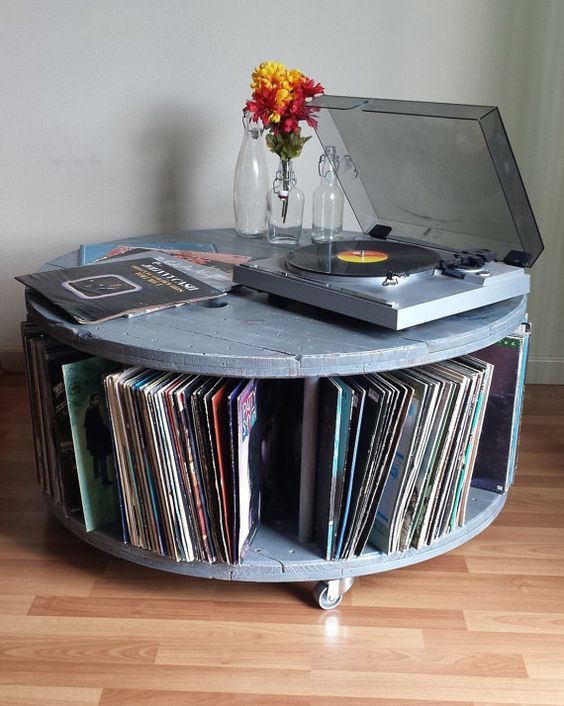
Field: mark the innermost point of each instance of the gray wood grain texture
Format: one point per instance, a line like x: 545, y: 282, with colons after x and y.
x: 275, y: 557
x: 255, y: 336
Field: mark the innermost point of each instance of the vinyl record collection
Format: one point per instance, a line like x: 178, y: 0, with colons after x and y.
x: 183, y: 465
x: 55, y: 462
x: 399, y: 471
x: 182, y: 451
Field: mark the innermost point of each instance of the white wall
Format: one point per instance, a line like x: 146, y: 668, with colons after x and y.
x: 123, y: 116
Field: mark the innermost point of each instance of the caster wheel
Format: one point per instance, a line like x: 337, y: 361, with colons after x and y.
x: 321, y: 595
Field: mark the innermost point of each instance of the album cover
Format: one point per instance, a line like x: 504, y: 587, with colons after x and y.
x: 381, y: 402
x: 248, y: 463
x: 423, y: 404
x: 518, y: 403
x: 386, y: 454
x: 182, y: 398
x: 437, y: 409
x: 222, y: 491
x: 366, y: 435
x: 209, y: 477
x: 53, y: 445
x: 143, y: 481
x: 232, y: 430
x: 180, y: 461
x: 459, y: 517
x: 348, y: 402
x: 454, y: 467
x: 330, y: 411
x: 383, y: 529
x: 56, y: 355
x: 496, y: 455
x: 445, y: 458
x: 223, y: 445
x: 97, y: 293
x: 344, y: 493
x: 178, y: 501
x: 126, y: 522
x: 91, y: 252
x: 84, y: 385
x: 128, y: 445
x: 31, y: 332
x: 169, y: 508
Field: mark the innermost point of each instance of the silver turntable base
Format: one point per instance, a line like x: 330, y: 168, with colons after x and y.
x: 411, y: 300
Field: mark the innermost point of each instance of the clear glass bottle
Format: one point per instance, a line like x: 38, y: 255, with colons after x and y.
x: 328, y: 200
x: 250, y: 183
x: 285, y: 207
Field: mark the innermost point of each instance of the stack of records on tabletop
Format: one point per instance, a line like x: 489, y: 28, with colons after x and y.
x: 129, y: 280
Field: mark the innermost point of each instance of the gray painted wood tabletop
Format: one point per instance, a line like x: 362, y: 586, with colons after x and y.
x: 253, y: 335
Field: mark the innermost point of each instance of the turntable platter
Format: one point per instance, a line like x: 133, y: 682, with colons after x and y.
x: 362, y: 258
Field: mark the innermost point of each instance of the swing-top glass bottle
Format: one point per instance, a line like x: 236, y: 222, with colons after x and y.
x: 250, y: 183
x: 328, y: 200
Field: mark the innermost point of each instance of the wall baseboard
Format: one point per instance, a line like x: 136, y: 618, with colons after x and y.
x: 543, y: 370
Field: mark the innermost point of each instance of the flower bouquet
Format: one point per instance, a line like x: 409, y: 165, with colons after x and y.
x: 280, y: 100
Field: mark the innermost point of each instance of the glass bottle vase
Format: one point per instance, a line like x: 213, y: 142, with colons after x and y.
x: 250, y: 183
x: 285, y: 206
x: 328, y: 200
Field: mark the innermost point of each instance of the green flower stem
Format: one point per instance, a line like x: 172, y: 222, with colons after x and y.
x: 288, y: 145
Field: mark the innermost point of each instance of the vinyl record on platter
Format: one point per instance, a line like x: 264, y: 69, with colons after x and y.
x: 362, y: 258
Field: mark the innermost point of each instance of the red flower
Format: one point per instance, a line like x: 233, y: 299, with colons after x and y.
x: 280, y: 101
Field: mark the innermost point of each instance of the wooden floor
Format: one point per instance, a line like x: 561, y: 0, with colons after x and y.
x: 481, y: 625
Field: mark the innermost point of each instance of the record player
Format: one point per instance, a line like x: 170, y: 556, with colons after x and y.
x: 446, y: 222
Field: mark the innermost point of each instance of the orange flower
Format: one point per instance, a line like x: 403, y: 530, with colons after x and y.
x: 279, y: 99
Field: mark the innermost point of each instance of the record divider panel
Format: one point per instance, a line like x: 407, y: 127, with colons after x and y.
x: 255, y: 336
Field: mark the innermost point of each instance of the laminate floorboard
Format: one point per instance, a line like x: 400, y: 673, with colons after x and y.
x: 480, y: 626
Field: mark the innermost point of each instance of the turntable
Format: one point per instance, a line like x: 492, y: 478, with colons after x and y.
x: 446, y: 222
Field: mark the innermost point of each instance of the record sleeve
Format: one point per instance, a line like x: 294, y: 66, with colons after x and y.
x: 355, y: 426
x: 155, y: 470
x: 384, y: 528
x: 371, y: 485
x: 106, y: 290
x: 248, y: 464
x: 209, y: 476
x: 348, y: 402
x: 386, y: 454
x: 367, y: 433
x: 330, y: 412
x: 437, y: 406
x: 183, y: 401
x: 91, y: 252
x: 180, y: 461
x: 216, y: 407
x: 445, y: 448
x: 493, y: 468
x: 179, y: 501
x: 84, y: 385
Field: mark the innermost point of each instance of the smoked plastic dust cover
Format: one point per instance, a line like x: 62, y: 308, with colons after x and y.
x: 437, y: 174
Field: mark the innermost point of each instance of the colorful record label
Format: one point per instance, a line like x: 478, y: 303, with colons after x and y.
x: 362, y: 256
